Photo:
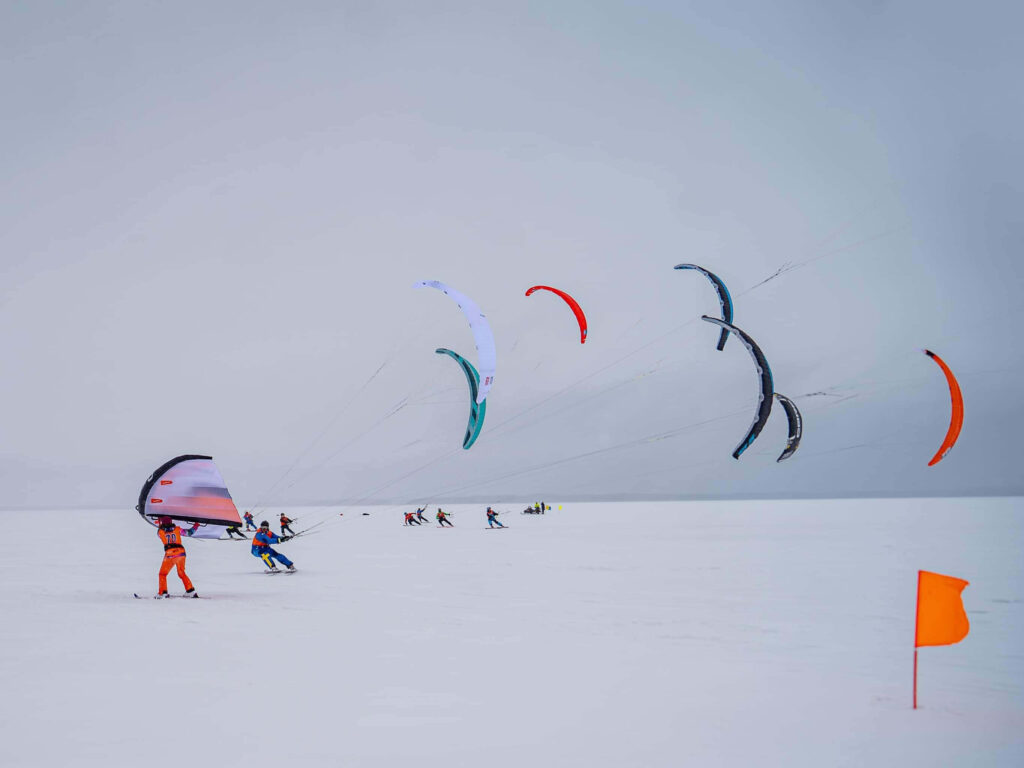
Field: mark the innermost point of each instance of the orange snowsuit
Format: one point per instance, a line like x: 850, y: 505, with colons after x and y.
x: 174, y: 556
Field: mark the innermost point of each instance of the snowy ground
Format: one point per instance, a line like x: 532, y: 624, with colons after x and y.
x: 704, y: 634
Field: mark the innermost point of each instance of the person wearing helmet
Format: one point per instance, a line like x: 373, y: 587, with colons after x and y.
x: 285, y: 524
x: 419, y: 515
x: 442, y: 518
x: 492, y: 519
x: 261, y: 548
x: 174, y: 554
x: 249, y: 524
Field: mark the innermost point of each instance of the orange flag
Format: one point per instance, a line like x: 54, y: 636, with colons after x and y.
x: 941, y: 619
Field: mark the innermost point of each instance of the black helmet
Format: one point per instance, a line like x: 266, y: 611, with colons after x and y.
x: 264, y: 524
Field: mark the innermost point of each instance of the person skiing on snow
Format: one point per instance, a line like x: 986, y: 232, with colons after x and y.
x: 174, y: 555
x: 248, y: 521
x: 233, y: 529
x: 285, y: 520
x: 442, y: 518
x: 261, y: 548
x: 411, y: 520
x: 419, y: 515
x: 492, y: 518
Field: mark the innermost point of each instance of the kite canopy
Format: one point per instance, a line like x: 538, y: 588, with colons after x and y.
x: 796, y: 426
x: 188, y: 488
x: 487, y: 357
x: 573, y: 305
x: 956, y: 419
x: 764, y: 373
x: 723, y: 298
x: 477, y: 411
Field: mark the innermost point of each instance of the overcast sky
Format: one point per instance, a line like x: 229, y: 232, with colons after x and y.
x: 212, y: 215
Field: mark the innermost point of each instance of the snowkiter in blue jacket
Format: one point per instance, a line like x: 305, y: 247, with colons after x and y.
x: 261, y: 548
x: 492, y: 519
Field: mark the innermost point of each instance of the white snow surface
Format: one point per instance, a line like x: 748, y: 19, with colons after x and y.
x: 656, y: 634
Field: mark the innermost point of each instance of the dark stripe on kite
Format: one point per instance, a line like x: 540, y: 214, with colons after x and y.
x: 796, y: 426
x: 764, y: 373
x: 724, y: 299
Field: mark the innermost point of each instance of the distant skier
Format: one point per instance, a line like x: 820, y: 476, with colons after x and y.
x: 419, y: 515
x: 233, y: 530
x: 543, y: 507
x: 174, y: 555
x: 261, y: 548
x: 411, y: 520
x: 285, y: 520
x: 492, y: 518
x: 442, y: 518
x: 249, y: 524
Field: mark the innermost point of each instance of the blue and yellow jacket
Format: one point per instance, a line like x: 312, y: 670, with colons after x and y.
x: 262, y: 541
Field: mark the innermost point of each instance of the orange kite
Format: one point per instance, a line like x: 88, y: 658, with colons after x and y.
x: 956, y: 418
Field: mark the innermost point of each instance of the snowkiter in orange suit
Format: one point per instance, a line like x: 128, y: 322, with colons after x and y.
x: 174, y: 554
x: 285, y: 524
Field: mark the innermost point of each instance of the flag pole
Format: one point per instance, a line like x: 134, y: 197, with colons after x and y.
x: 915, y: 678
x: 917, y: 622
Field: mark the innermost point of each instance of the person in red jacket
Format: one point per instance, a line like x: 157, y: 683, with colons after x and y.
x: 285, y: 520
x: 174, y: 555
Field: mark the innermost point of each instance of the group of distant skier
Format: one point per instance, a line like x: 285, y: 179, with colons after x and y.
x: 417, y: 518
x: 172, y: 537
x: 443, y: 518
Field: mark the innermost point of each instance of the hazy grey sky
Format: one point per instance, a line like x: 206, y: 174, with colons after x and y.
x: 211, y: 217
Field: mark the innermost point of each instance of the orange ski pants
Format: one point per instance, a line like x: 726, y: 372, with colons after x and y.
x: 174, y: 560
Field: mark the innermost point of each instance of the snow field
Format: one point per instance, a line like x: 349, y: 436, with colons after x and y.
x: 699, y: 633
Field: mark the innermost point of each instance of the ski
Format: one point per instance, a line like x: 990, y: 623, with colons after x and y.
x: 157, y: 597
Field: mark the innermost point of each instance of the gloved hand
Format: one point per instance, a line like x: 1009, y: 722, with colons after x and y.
x: 286, y: 538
